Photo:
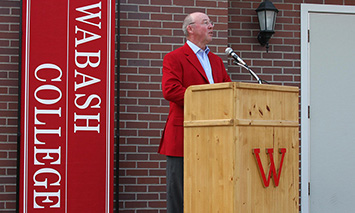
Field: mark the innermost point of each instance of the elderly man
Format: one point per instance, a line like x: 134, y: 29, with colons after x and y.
x: 191, y: 64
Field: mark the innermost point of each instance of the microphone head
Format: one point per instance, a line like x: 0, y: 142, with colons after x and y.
x: 228, y: 50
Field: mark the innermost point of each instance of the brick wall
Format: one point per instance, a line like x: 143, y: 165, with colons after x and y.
x: 9, y: 57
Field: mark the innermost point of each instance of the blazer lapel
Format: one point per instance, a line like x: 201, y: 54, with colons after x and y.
x: 192, y: 58
x: 214, y: 68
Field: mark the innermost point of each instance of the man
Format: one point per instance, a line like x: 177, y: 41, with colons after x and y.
x: 191, y: 64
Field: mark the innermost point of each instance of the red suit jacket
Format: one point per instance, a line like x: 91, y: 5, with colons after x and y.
x: 181, y: 69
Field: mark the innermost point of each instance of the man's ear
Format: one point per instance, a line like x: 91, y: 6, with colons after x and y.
x: 189, y: 29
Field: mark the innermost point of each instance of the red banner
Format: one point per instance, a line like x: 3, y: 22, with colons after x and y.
x: 67, y: 106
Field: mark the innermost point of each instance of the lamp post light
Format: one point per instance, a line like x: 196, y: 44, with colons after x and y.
x: 267, y: 18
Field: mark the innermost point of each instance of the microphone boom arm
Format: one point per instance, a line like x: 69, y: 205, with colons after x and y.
x: 260, y: 81
x: 240, y: 62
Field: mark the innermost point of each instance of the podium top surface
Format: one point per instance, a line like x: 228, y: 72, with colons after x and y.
x: 237, y: 103
x: 227, y: 85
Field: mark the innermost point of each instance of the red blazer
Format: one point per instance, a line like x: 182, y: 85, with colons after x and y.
x: 181, y: 69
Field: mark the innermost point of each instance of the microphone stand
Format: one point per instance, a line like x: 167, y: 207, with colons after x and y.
x: 260, y: 81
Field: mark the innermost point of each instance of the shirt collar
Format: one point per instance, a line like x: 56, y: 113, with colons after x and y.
x: 195, y: 48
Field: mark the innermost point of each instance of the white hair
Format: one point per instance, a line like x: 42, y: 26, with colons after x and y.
x: 187, y: 21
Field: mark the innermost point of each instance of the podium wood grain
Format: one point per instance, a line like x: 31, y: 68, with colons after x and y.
x: 223, y: 123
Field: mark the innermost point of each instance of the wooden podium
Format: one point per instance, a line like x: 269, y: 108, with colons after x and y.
x: 225, y: 126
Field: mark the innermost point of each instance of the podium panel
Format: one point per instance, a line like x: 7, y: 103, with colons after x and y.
x: 241, y: 148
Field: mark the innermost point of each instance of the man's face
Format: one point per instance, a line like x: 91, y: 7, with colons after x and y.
x: 202, y: 28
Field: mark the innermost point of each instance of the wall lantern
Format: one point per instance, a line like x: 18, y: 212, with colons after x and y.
x: 267, y: 18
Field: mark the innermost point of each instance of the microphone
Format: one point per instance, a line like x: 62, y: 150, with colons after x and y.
x: 240, y: 62
x: 229, y: 51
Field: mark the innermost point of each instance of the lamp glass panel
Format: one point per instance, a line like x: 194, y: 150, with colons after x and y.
x: 270, y: 22
x: 261, y: 17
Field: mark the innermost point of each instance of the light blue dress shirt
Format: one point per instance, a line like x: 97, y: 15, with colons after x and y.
x: 202, y: 56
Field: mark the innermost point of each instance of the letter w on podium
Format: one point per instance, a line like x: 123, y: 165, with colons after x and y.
x: 272, y: 170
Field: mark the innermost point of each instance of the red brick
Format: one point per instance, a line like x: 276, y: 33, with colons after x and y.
x: 126, y: 196
x: 283, y: 63
x: 148, y: 180
x: 148, y: 8
x: 149, y: 196
x: 125, y: 132
x: 135, y: 188
x: 157, y: 157
x: 135, y: 78
x: 7, y: 180
x: 138, y: 31
x: 150, y: 24
x: 272, y: 70
x: 167, y: 9
x: 156, y: 204
x: 331, y: 1
x: 183, y: 2
x: 9, y: 19
x: 138, y: 15
x: 161, y: 32
x: 283, y: 78
x: 349, y: 2
x: 137, y: 157
x: 157, y: 188
x: 127, y: 164
x: 149, y: 101
x: 161, y: 47
x: 161, y: 17
x: 157, y: 172
x: 149, y: 55
x: 129, y: 23
x: 206, y: 4
x: 152, y: 86
x: 137, y: 172
x: 292, y: 71
x: 149, y: 70
x: 149, y: 133
x: 126, y: 149
x: 136, y: 204
x: 155, y: 125
x: 262, y: 63
x: 147, y: 165
x: 283, y: 48
x: 295, y: 56
x: 129, y: 38
x: 127, y: 180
